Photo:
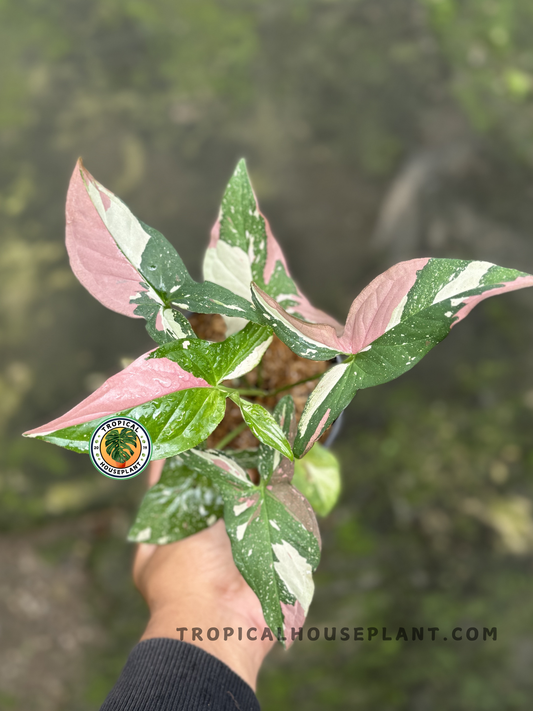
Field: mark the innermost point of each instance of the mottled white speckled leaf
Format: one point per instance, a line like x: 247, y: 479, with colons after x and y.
x: 178, y: 409
x: 226, y: 360
x: 209, y: 298
x: 243, y: 249
x: 317, y: 477
x: 182, y: 502
x: 245, y: 458
x: 263, y: 425
x: 274, y: 537
x: 269, y: 458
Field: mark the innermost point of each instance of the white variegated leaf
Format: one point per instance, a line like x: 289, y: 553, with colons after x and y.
x: 182, y: 502
x: 263, y: 425
x: 215, y: 362
x: 243, y: 249
x: 274, y: 537
x: 269, y: 459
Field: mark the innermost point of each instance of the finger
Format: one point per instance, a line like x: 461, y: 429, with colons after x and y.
x: 154, y: 471
x: 145, y: 551
x: 143, y: 554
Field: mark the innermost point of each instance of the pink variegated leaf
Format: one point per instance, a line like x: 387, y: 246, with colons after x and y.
x: 243, y: 249
x: 129, y: 267
x: 178, y: 409
x: 392, y: 324
x: 439, y: 290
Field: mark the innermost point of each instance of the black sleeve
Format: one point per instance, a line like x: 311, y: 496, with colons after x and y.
x: 169, y: 675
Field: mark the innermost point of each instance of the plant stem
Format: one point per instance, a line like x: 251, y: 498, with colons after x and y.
x: 298, y: 382
x: 268, y: 393
x: 231, y: 435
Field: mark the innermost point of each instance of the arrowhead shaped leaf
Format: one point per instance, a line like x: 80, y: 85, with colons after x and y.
x: 113, y: 254
x: 274, y: 537
x: 182, y: 502
x: 178, y: 409
x: 422, y: 293
x: 126, y: 264
x: 335, y: 390
x: 215, y: 362
x: 243, y: 249
x: 263, y: 425
x: 269, y: 458
x: 317, y: 477
x: 391, y: 325
x: 245, y: 458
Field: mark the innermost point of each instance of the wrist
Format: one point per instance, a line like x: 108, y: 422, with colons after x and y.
x: 233, y: 641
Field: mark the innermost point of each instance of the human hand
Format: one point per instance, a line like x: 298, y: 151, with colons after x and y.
x: 195, y: 583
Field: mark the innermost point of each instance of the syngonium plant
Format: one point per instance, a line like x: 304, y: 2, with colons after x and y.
x: 178, y: 391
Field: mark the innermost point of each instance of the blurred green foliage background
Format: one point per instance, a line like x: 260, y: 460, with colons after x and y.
x: 375, y: 131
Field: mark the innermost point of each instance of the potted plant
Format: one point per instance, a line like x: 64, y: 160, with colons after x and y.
x: 269, y: 380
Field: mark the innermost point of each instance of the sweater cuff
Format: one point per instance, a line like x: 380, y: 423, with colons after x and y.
x: 168, y: 675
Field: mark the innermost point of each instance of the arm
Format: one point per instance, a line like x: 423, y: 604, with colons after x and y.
x: 195, y: 583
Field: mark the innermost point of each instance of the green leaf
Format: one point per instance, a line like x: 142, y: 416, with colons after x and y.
x: 335, y: 390
x: 174, y: 422
x: 274, y: 537
x: 317, y: 477
x: 215, y: 362
x: 284, y: 415
x: 241, y: 250
x: 122, y: 261
x: 245, y: 458
x: 193, y: 355
x: 263, y: 425
x: 239, y: 354
x: 182, y: 502
x: 444, y: 293
x: 210, y: 298
x: 174, y: 324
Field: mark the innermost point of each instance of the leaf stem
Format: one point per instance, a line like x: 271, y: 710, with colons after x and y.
x: 231, y: 435
x: 268, y: 393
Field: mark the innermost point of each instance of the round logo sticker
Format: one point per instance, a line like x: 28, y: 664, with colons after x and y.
x: 120, y: 448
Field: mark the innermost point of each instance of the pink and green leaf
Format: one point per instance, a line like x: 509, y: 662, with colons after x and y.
x: 392, y: 324
x: 127, y: 265
x: 131, y: 268
x: 178, y: 409
x: 416, y: 288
